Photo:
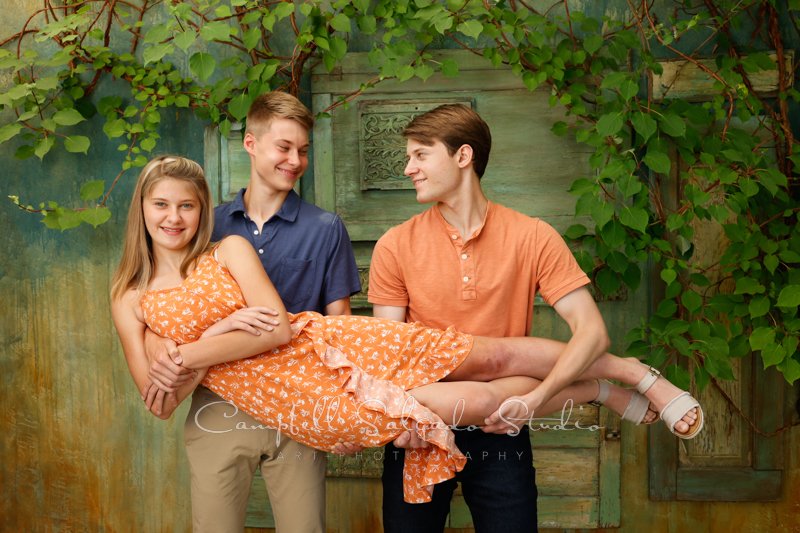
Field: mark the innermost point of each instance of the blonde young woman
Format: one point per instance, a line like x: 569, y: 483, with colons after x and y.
x: 327, y: 380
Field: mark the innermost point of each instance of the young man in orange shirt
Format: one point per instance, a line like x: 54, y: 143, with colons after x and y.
x: 476, y: 265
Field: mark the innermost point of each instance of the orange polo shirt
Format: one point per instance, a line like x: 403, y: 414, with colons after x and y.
x: 483, y: 285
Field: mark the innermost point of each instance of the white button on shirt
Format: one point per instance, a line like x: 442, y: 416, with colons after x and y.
x: 255, y: 232
x: 466, y: 279
x: 261, y: 250
x: 464, y: 256
x: 454, y: 236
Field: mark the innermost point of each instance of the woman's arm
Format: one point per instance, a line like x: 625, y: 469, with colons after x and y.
x: 238, y: 256
x: 131, y: 330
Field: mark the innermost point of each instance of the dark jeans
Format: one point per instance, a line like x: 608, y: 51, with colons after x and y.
x: 498, y: 482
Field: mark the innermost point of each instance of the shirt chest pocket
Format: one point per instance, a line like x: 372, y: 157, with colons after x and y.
x: 295, y: 282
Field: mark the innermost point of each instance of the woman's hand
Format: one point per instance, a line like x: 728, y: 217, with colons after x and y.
x: 250, y: 319
x: 512, y: 415
x: 160, y: 403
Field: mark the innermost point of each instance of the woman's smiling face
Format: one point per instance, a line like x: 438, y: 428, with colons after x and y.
x: 171, y: 214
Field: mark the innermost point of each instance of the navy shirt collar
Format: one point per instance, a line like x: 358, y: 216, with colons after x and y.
x: 288, y: 211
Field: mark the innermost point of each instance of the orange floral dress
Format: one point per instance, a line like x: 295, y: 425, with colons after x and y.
x: 340, y: 379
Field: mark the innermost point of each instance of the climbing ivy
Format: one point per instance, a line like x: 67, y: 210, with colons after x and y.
x: 665, y: 165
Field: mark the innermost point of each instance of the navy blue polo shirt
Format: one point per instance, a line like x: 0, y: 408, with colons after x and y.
x: 305, y: 250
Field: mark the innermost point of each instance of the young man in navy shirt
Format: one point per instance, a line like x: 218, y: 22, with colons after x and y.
x: 307, y: 254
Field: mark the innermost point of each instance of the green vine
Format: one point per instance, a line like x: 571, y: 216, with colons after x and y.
x: 729, y: 147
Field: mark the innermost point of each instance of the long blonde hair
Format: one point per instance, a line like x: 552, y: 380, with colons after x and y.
x: 137, y: 265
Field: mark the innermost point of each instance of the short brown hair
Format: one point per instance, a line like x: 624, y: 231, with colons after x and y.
x: 454, y: 125
x: 276, y: 104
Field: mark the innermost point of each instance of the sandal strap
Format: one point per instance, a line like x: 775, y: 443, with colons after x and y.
x: 603, y: 390
x: 648, y: 380
x: 676, y: 408
x: 636, y: 409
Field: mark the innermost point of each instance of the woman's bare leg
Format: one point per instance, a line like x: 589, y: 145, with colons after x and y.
x: 464, y: 403
x: 493, y: 358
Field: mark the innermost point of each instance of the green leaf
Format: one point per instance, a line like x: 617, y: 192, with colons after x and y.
x: 338, y: 47
x: 771, y: 263
x: 613, y: 234
x: 62, y: 219
x: 239, y: 105
x: 77, y: 143
x: 216, y: 31
x: 634, y: 217
x: 677, y: 375
x: 15, y: 93
x: 68, y: 117
x: 43, y: 146
x: 609, y: 124
x: 759, y: 306
x: 202, y: 65
x: 114, y: 128
x: 91, y: 190
x: 153, y: 54
x: 424, y: 71
x: 748, y: 285
x: 632, y: 276
x: 8, y: 131
x: 148, y: 144
x: 789, y: 296
x: 185, y: 39
x: 719, y: 367
x: 789, y: 256
x: 701, y: 378
x: 340, y: 22
x: 251, y: 38
x: 443, y: 24
x: 644, y: 125
x: 673, y: 125
x: 667, y: 308
x: 157, y: 33
x: 790, y: 369
x: 608, y: 281
x: 592, y: 43
x: 575, y: 231
x: 761, y: 337
x: 668, y: 275
x: 772, y: 354
x: 284, y: 9
x: 790, y: 343
x: 450, y: 68
x: 368, y: 24
x: 471, y: 28
x: 691, y: 301
x: 96, y: 216
x: 406, y: 72
x: 657, y: 161
x: 771, y: 179
x: 47, y: 83
x: 629, y: 89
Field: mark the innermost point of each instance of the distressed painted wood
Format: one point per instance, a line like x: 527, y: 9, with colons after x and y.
x: 79, y: 452
x: 684, y: 79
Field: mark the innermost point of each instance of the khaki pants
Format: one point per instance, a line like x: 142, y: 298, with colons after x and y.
x: 225, y: 446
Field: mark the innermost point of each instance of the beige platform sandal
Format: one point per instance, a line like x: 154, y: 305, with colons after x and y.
x: 637, y: 407
x: 672, y: 413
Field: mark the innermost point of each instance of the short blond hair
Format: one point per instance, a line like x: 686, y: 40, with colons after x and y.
x: 276, y: 104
